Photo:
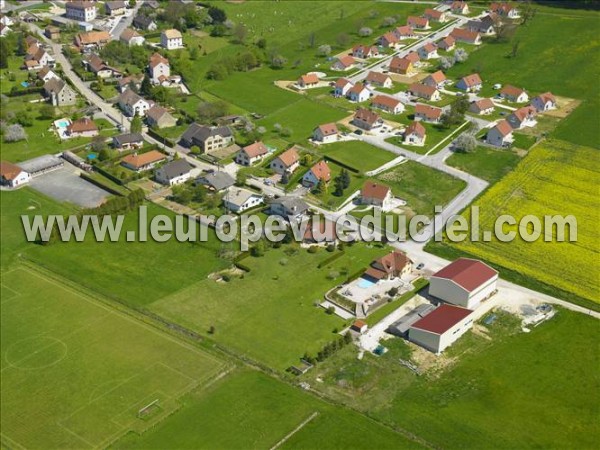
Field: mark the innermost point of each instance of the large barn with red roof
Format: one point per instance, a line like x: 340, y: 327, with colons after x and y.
x: 441, y: 327
x: 464, y: 282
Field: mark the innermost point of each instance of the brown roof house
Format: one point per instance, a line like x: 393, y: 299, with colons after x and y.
x: 523, y: 117
x: 436, y: 79
x: 159, y: 117
x: 415, y: 134
x: 466, y: 36
x: 393, y: 265
x: 470, y: 83
x: 343, y: 63
x: 448, y: 43
x: 320, y: 171
x: 358, y: 93
x: 307, y: 81
x: 418, y: 23
x: 143, y: 161
x: 544, y: 102
x: 376, y: 194
x: 402, y: 66
x: 326, y: 133
x: 365, y: 51
x: 419, y: 90
x: 92, y: 40
x: 501, y: 135
x: 84, y: 127
x: 287, y: 162
x: 514, y: 94
x: 428, y: 113
x: 482, y: 106
x: 388, y: 104
x: 366, y: 119
x: 433, y: 15
x: 251, y: 153
x: 428, y: 51
x: 389, y: 39
x: 12, y: 175
x: 379, y: 79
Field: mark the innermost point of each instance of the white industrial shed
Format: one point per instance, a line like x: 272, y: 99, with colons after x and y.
x: 441, y: 327
x: 464, y: 282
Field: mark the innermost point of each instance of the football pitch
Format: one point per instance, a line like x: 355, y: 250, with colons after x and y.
x: 77, y: 374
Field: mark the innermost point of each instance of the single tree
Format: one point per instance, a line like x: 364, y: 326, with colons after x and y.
x: 136, y: 124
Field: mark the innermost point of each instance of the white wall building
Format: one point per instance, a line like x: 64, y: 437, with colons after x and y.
x: 441, y: 327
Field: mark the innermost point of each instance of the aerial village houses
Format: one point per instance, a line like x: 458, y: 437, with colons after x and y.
x: 466, y: 36
x: 393, y: 265
x: 428, y: 51
x: 291, y: 208
x: 415, y: 134
x: 307, y: 81
x: 365, y: 51
x: 418, y: 23
x: 413, y: 57
x: 12, y: 175
x: 94, y: 64
x: 287, y: 162
x: 144, y: 161
x: 376, y: 194
x: 465, y: 282
x: 171, y: 39
x: 131, y: 37
x: 387, y: 104
x: 358, y: 93
x: 84, y: 127
x: 37, y: 58
x: 501, y: 135
x: 84, y: 11
x: 47, y: 74
x: 143, y: 22
x: 319, y: 172
x: 523, y: 117
x: 433, y: 15
x: 239, y: 200
x: 404, y: 32
x: 216, y: 181
x: 129, y: 82
x: 159, y: 117
x: 401, y: 66
x: 174, y: 172
x: 505, y: 10
x: 428, y: 113
x: 128, y: 141
x: 343, y: 63
x: 379, y: 79
x: 132, y: 104
x: 158, y: 68
x: 470, y: 83
x: 436, y: 80
x: 389, y: 40
x: 320, y: 232
x: 448, y: 43
x: 209, y: 139
x: 482, y: 106
x: 92, y: 40
x: 419, y: 90
x: 59, y: 93
x: 441, y: 327
x: 342, y: 86
x: 326, y: 133
x: 459, y: 7
x: 114, y: 8
x: 514, y: 94
x: 486, y: 26
x: 251, y: 153
x: 366, y: 119
x: 544, y: 102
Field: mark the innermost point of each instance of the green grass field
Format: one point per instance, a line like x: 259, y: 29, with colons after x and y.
x: 542, y: 386
x: 75, y: 373
x: 357, y: 154
x: 569, y: 66
x: 270, y: 314
x: 251, y: 411
x: 486, y: 163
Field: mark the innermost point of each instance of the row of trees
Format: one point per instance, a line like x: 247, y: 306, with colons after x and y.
x: 328, y: 349
x: 244, y: 61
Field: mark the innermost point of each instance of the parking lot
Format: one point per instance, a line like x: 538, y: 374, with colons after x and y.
x: 65, y: 184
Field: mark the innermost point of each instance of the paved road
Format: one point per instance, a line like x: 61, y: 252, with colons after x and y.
x: 125, y: 21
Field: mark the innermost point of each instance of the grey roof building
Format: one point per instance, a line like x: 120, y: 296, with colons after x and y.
x: 127, y: 140
x: 400, y: 327
x: 174, y: 172
x: 207, y: 138
x: 216, y: 181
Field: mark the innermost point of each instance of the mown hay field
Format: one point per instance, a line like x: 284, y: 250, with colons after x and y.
x: 555, y: 178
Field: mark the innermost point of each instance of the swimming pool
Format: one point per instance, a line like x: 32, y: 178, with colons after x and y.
x: 63, y: 123
x: 364, y: 283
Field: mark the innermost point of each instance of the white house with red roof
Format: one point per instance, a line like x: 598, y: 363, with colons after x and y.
x: 251, y: 153
x: 465, y: 282
x: 388, y: 104
x: 376, y: 194
x: 320, y: 171
x: 441, y: 327
x: 326, y: 133
x: 309, y: 80
x: 343, y: 63
x: 415, y: 134
x: 500, y: 135
x: 342, y: 86
x: 418, y: 23
x: 544, y: 102
x: 358, y: 93
x: 428, y: 51
x: 514, y: 94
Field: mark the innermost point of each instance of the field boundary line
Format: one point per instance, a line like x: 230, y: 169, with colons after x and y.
x: 12, y: 442
x: 17, y: 294
x: 82, y: 439
x: 295, y: 430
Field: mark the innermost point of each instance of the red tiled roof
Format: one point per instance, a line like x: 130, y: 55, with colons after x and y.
x: 467, y: 273
x: 324, y: 228
x: 342, y: 82
x: 256, y: 149
x: 433, y: 13
x: 321, y: 171
x: 367, y: 116
x: 430, y: 112
x: 401, y: 64
x: 405, y: 30
x: 309, y: 78
x: 472, y: 80
x: 422, y: 89
x: 377, y: 77
x: 289, y: 157
x: 429, y: 47
x: 449, y: 41
x: 82, y: 125
x: 156, y: 59
x: 357, y: 88
x: 442, y: 319
x: 384, y: 100
x: 346, y: 60
x: 465, y: 35
x: 525, y: 111
x: 413, y: 57
x: 416, y: 128
x: 438, y: 77
x: 511, y: 91
x: 393, y: 262
x: 547, y: 97
x: 421, y: 21
x: 137, y: 161
x: 9, y: 171
x: 503, y: 127
x: 390, y: 37
x: 484, y: 103
x: 328, y: 129
x: 374, y: 190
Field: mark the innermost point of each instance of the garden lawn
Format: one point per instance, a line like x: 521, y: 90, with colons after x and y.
x: 136, y: 273
x: 250, y: 410
x: 269, y: 314
x: 486, y: 163
x: 421, y: 187
x: 80, y: 371
x: 356, y: 154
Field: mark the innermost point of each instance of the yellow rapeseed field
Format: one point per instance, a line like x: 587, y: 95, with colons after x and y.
x: 556, y: 177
